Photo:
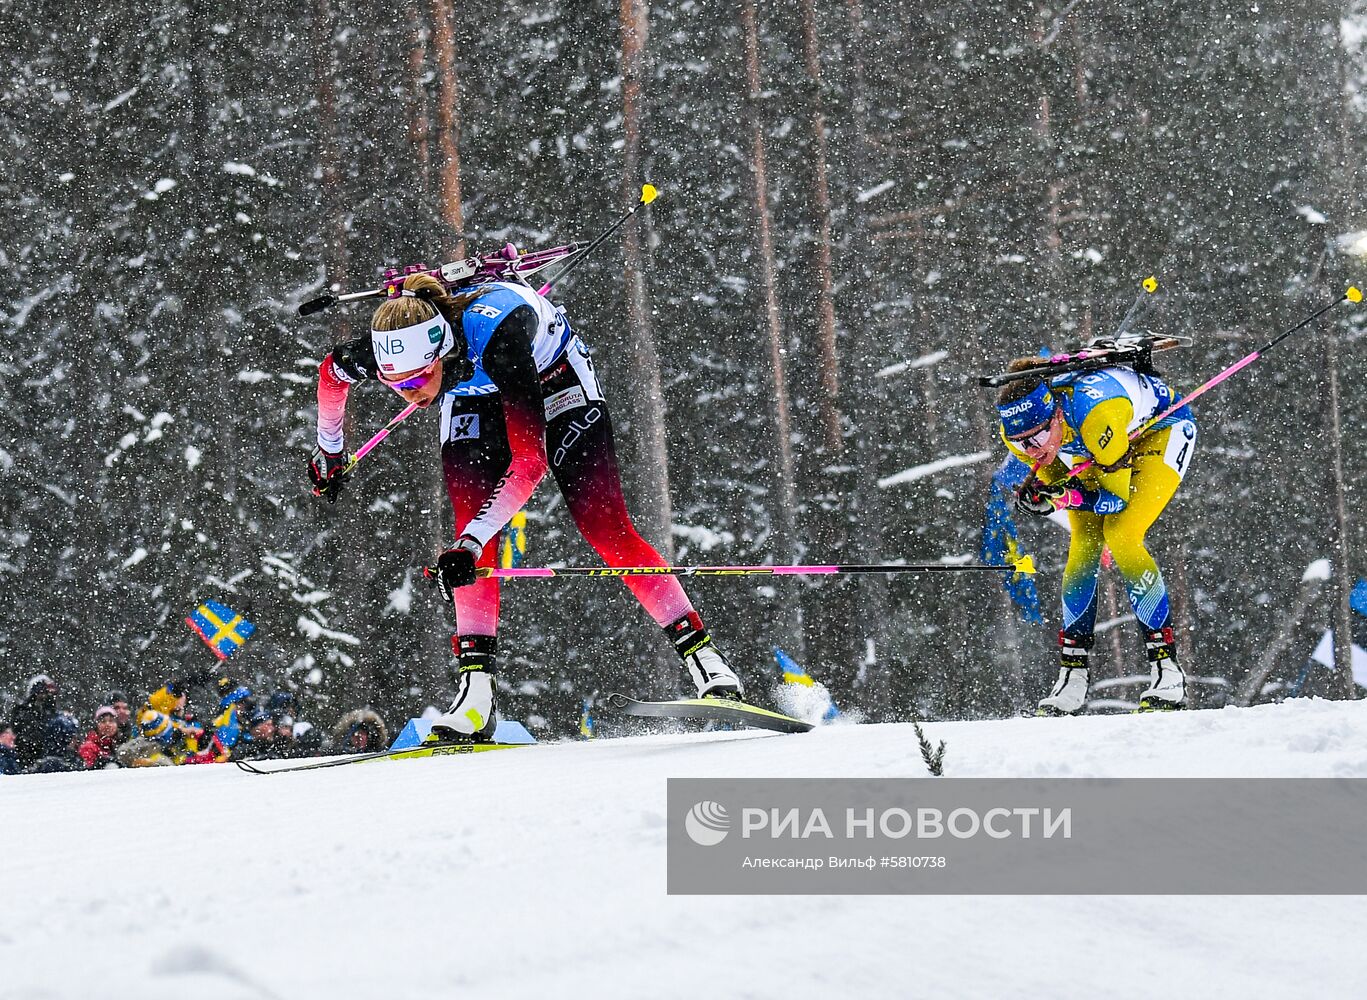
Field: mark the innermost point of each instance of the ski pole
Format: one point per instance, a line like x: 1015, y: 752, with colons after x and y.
x: 380, y: 435
x: 1141, y: 305
x: 1351, y: 295
x: 648, y: 194
x: 1022, y: 564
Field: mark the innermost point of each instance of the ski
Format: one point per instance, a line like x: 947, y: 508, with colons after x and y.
x: 1133, y: 351
x: 422, y: 750
x: 710, y: 710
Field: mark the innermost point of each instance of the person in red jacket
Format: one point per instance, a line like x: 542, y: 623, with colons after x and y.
x: 98, y: 748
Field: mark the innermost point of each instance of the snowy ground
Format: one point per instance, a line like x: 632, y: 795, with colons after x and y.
x: 541, y: 873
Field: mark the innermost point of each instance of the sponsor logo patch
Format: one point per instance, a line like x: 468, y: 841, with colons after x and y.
x: 566, y: 399
x: 464, y: 427
x: 577, y: 428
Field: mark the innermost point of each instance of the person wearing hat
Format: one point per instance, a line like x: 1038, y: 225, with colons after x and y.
x: 150, y: 745
x: 1054, y: 424
x: 178, y: 739
x: 98, y: 748
x: 61, y: 741
x: 9, y: 760
x: 519, y: 397
x: 232, y: 723
x: 123, y: 714
x: 32, y: 717
x: 284, y: 736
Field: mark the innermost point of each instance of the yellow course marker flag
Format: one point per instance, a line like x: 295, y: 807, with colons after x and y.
x: 648, y: 193
x: 1150, y: 284
x: 1353, y: 294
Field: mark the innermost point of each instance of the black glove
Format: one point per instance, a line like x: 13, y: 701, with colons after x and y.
x: 456, y: 567
x: 328, y: 472
x: 1041, y: 500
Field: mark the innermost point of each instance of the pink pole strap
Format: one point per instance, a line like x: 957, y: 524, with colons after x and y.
x: 1024, y: 566
x: 1199, y: 390
x: 670, y: 570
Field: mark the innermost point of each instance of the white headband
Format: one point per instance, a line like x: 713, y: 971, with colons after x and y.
x: 412, y: 347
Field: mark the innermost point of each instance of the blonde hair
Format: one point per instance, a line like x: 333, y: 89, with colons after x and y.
x: 429, y: 298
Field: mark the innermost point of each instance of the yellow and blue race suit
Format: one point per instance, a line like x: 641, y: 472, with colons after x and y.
x: 1128, y: 487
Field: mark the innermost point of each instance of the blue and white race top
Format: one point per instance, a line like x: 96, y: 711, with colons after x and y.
x: 481, y: 318
x: 1079, y: 394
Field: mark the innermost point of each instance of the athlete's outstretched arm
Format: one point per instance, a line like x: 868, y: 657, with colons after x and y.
x: 508, y: 362
x: 344, y: 365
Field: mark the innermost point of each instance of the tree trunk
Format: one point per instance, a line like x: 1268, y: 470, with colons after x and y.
x: 1340, y: 534
x: 783, y: 432
x: 1338, y: 525
x: 648, y: 406
x: 436, y: 650
x: 419, y: 125
x: 349, y: 684
x: 197, y: 294
x: 821, y: 229
x: 768, y: 284
x: 329, y: 157
x: 448, y: 128
x: 872, y: 682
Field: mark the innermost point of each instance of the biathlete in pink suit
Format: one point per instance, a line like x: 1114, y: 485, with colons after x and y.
x: 532, y: 401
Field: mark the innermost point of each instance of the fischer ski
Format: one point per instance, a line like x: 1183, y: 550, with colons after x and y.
x: 1136, y: 352
x: 437, y: 749
x: 710, y: 710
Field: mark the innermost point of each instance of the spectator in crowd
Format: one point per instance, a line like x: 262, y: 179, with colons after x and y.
x: 360, y: 731
x: 60, y: 746
x: 308, y: 739
x: 263, y: 743
x: 31, y: 719
x: 284, y: 736
x: 283, y: 703
x: 100, y: 742
x: 123, y: 714
x: 178, y: 739
x: 232, y: 724
x: 9, y: 760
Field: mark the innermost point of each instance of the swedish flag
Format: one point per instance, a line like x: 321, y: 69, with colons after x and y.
x: 1001, y: 544
x: 221, y: 627
x: 586, y: 721
x: 514, y: 541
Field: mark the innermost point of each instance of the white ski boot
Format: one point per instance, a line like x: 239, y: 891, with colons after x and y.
x: 711, y: 674
x: 1167, y: 688
x: 471, y: 717
x: 1069, y: 692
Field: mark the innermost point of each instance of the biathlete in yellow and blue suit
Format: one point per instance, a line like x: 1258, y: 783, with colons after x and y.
x: 1061, y: 422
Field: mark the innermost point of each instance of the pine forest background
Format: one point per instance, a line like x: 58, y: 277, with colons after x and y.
x: 846, y: 187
